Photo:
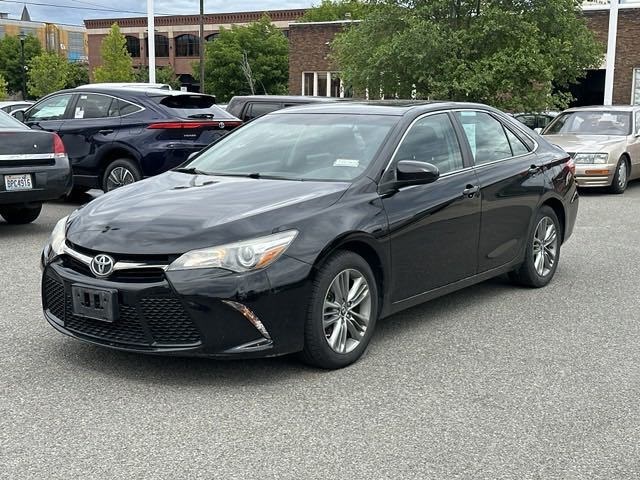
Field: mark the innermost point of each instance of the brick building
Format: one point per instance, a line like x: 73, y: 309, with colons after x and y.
x: 177, y: 36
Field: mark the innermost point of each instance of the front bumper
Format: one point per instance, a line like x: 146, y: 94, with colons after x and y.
x: 191, y: 313
x: 594, y: 175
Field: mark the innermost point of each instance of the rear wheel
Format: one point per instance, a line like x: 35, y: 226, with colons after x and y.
x: 342, y: 312
x: 543, y: 251
x: 119, y: 173
x: 621, y: 177
x: 20, y: 215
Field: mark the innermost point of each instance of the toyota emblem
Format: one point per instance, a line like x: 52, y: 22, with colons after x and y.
x: 221, y: 125
x: 102, y: 265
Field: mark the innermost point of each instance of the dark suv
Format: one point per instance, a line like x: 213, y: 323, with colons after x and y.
x: 115, y: 136
x: 248, y: 107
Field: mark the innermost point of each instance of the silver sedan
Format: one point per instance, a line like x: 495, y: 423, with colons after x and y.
x: 603, y: 141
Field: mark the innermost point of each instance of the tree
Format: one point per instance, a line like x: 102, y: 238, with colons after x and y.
x: 10, y: 59
x: 117, y: 65
x: 78, y: 74
x: 518, y: 55
x: 48, y: 72
x: 163, y: 75
x: 331, y: 10
x: 261, y: 47
x: 3, y: 88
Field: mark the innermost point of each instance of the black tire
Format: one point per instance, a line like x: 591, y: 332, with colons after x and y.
x: 619, y: 185
x: 77, y: 193
x: 317, y: 351
x: 527, y: 274
x: 132, y: 174
x: 20, y: 215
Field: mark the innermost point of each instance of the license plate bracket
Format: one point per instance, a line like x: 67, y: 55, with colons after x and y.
x: 95, y: 303
x: 21, y: 181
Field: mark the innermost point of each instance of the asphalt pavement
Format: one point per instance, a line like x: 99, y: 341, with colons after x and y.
x: 491, y: 382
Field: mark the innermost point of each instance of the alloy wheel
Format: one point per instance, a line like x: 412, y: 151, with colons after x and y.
x: 346, y: 311
x: 118, y: 177
x: 545, y: 246
x: 622, y: 174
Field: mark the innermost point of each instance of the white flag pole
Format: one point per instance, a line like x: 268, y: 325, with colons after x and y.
x: 151, y: 35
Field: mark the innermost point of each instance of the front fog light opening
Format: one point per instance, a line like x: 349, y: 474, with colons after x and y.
x: 249, y: 315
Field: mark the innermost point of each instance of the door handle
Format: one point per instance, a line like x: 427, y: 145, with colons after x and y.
x: 533, y: 169
x: 470, y: 191
x: 105, y: 131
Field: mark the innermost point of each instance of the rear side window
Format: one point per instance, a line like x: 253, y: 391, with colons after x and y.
x: 126, y: 108
x: 190, y: 106
x: 517, y: 147
x: 486, y: 136
x: 94, y: 106
x: 258, y: 109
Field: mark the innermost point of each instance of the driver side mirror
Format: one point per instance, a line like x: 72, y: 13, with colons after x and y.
x: 411, y: 172
x: 19, y: 114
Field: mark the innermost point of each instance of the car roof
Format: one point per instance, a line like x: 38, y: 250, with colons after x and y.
x: 14, y: 102
x: 137, y: 85
x: 130, y: 91
x: 379, y: 107
x: 605, y: 108
x: 284, y: 98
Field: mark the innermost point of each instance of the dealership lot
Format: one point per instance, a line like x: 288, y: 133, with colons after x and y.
x: 490, y: 382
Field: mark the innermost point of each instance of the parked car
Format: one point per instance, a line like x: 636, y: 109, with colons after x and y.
x: 248, y: 107
x: 299, y: 230
x: 536, y: 121
x: 604, y: 143
x: 11, y: 106
x: 115, y: 136
x: 34, y: 168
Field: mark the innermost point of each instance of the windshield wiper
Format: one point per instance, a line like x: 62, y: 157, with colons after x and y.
x: 191, y: 170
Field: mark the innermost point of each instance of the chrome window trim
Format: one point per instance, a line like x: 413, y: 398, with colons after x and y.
x: 121, y: 265
x: 117, y: 98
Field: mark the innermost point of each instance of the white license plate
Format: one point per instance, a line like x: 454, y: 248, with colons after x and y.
x: 18, y: 182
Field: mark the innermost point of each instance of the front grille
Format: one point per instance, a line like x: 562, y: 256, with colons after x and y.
x: 161, y: 321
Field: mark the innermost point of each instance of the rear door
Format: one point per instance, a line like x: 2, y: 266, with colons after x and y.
x: 511, y: 183
x: 50, y: 113
x: 90, y: 130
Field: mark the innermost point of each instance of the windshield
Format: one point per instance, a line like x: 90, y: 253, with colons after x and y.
x: 299, y: 147
x: 591, y: 123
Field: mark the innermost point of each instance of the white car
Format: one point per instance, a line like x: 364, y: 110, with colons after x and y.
x: 604, y: 142
x: 11, y: 106
x: 162, y: 86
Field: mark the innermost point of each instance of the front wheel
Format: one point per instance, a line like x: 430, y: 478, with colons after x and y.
x: 543, y: 251
x: 20, y: 215
x: 621, y: 177
x: 120, y: 173
x: 342, y: 312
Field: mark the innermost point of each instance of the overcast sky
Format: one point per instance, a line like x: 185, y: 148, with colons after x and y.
x: 57, y: 13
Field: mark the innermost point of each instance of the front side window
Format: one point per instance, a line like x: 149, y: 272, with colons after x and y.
x: 95, y: 106
x: 432, y: 139
x: 330, y: 147
x: 52, y: 108
x: 585, y: 122
x: 256, y: 110
x: 486, y: 135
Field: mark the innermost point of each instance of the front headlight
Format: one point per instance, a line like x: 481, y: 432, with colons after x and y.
x: 240, y: 256
x: 591, y: 158
x: 55, y: 244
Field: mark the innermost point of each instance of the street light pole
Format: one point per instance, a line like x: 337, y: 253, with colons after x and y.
x: 151, y: 35
x: 22, y: 38
x: 201, y: 46
x: 611, y: 52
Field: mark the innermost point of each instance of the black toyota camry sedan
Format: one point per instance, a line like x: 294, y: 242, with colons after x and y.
x: 301, y: 229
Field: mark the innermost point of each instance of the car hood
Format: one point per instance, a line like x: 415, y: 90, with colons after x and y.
x: 177, y: 212
x: 587, y: 143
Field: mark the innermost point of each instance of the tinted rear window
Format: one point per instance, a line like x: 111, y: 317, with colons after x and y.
x: 7, y: 121
x: 192, y: 106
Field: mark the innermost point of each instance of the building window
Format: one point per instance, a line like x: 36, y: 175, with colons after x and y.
x: 162, y: 45
x: 133, y: 45
x: 75, y: 49
x: 29, y: 31
x: 323, y: 84
x: 187, y: 45
x: 212, y: 36
x: 635, y: 94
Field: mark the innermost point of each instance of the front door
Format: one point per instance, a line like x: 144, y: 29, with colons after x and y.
x: 49, y: 114
x: 433, y: 228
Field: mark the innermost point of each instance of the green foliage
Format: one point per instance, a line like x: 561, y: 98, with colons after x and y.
x: 163, y: 75
x: 330, y: 10
x: 78, y: 74
x: 10, y: 61
x: 256, y: 54
x: 117, y: 65
x: 3, y: 88
x: 518, y: 55
x: 48, y: 72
